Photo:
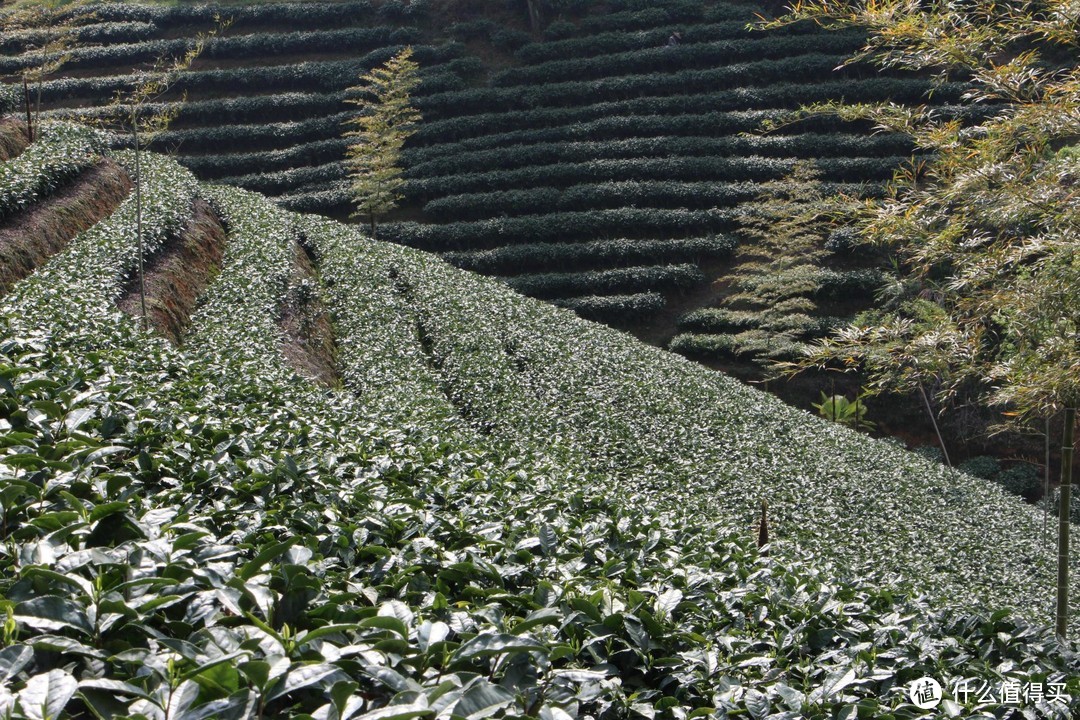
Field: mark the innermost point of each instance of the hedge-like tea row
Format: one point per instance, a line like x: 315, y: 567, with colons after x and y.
x: 590, y: 196
x: 777, y: 95
x: 290, y: 107
x: 685, y: 56
x: 783, y: 146
x: 607, y: 282
x: 848, y: 284
x: 736, y: 125
x: 238, y: 316
x: 719, y: 321
x: 319, y: 152
x: 560, y: 227
x: 12, y: 43
x: 225, y: 140
x: 303, y: 14
x: 56, y: 157
x: 545, y: 257
x: 685, y: 169
x: 276, y: 183
x: 596, y: 196
x: 335, y: 200
x: 84, y: 280
x: 380, y: 350
x: 327, y: 76
x: 608, y: 42
x: 237, y: 47
x: 617, y: 310
x: 809, y: 68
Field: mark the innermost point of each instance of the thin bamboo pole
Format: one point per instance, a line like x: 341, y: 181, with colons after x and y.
x: 1062, y: 617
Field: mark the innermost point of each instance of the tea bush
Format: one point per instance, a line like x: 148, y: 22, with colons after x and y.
x: 506, y: 511
x: 532, y: 257
x: 558, y: 227
x: 686, y: 55
x: 615, y: 309
x: 57, y: 156
x: 607, y: 282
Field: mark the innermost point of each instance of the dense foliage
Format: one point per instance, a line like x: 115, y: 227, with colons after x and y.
x: 540, y: 128
x: 504, y: 512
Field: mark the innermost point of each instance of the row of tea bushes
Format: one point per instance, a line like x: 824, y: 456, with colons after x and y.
x: 565, y: 543
x: 806, y: 68
x: 324, y: 76
x: 262, y: 46
x: 318, y: 152
x: 546, y: 257
x: 278, y: 183
x: 559, y: 227
x: 778, y: 95
x: 616, y: 281
x: 806, y: 145
x: 615, y: 309
x: 61, y: 151
x: 686, y: 55
x: 754, y: 168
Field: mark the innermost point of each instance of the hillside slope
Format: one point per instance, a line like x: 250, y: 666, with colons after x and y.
x: 591, y: 165
x: 503, y: 509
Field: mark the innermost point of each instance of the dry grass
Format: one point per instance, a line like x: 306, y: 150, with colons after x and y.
x: 13, y: 137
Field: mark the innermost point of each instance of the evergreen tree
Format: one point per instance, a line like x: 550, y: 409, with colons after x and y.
x: 385, y: 122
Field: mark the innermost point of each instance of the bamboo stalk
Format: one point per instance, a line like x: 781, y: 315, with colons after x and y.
x: 1062, y: 617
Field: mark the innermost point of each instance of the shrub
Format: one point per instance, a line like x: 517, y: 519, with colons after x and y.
x: 559, y: 227
x: 762, y: 73
x: 982, y: 466
x: 713, y: 321
x: 821, y: 147
x: 214, y: 166
x: 598, y: 195
x: 758, y: 98
x: 533, y: 257
x: 684, y: 57
x: 607, y: 282
x: 57, y: 156
x: 703, y: 347
x: 1021, y: 479
x: 618, y: 310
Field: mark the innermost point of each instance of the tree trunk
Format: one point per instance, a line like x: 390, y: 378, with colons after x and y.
x: 374, y: 227
x: 1062, y: 619
x: 535, y: 15
x: 29, y: 119
x: 933, y: 420
x: 138, y: 223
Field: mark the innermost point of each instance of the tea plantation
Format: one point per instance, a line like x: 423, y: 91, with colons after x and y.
x: 497, y: 509
x: 591, y: 164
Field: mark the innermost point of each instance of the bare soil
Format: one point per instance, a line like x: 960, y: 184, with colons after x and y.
x: 307, y: 333
x: 31, y: 237
x: 176, y: 276
x: 663, y: 326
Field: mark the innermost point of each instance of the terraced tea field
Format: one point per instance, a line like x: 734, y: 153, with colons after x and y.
x: 487, y: 508
x: 593, y: 165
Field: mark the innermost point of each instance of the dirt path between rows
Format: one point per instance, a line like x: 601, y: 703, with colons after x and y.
x: 176, y: 277
x: 30, y: 237
x: 13, y: 137
x: 307, y: 334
